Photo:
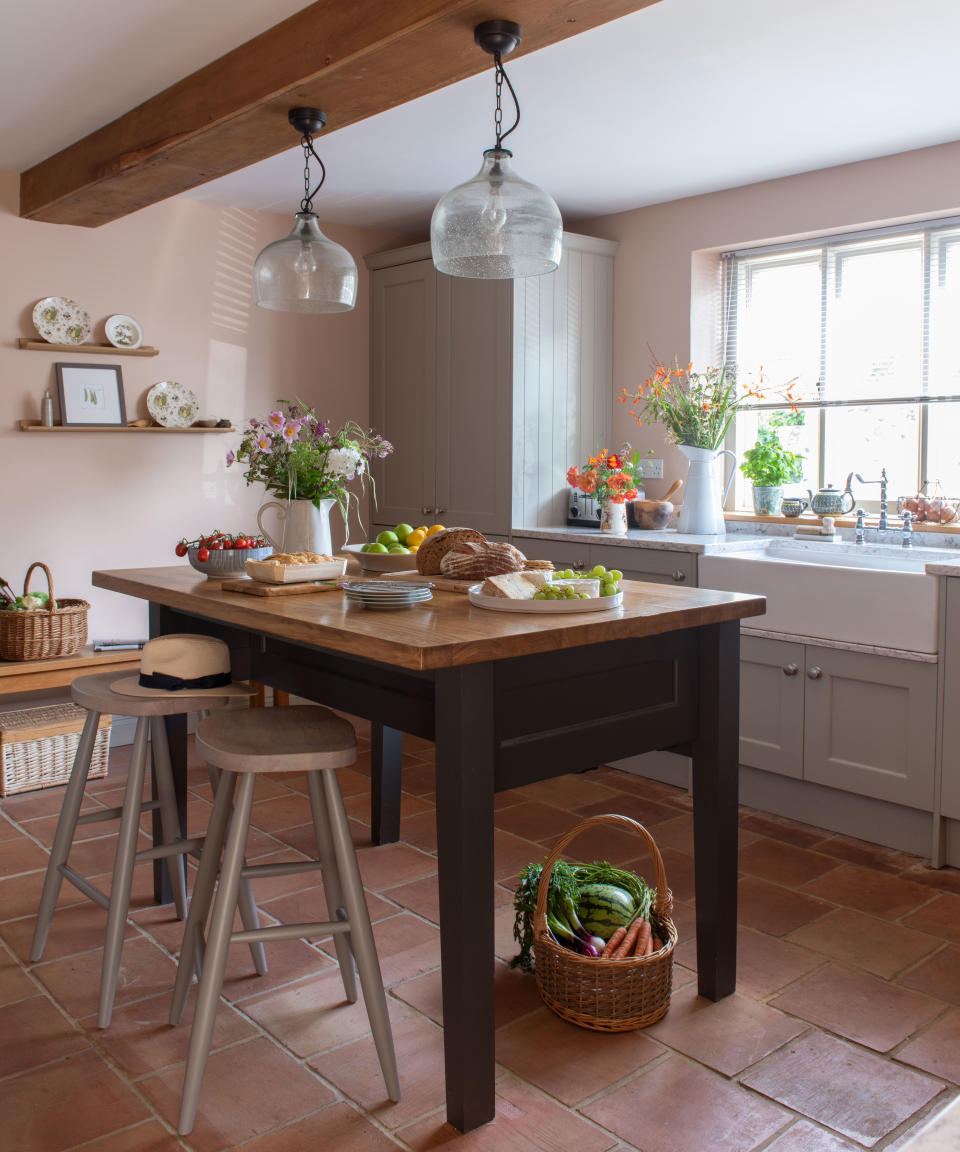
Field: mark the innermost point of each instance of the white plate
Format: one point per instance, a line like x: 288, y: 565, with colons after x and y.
x: 502, y: 604
x: 124, y: 332
x: 295, y: 573
x: 61, y: 321
x: 172, y: 405
x: 382, y: 561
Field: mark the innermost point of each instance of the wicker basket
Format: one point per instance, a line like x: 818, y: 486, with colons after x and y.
x: 605, y: 995
x: 37, y: 747
x: 46, y: 632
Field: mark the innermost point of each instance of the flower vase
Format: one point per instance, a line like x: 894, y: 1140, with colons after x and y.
x: 614, y: 519
x: 304, y: 526
x: 702, y: 509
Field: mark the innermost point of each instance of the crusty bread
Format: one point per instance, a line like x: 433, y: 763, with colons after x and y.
x: 469, y: 560
x: 435, y: 547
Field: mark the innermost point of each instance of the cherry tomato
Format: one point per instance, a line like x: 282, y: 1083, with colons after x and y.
x: 243, y: 542
x: 181, y: 549
x: 203, y: 554
x: 216, y: 545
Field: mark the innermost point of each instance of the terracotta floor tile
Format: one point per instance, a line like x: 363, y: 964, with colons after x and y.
x: 287, y: 961
x: 781, y: 828
x: 248, y: 1090
x: 21, y: 855
x: 937, y: 1050
x: 946, y: 879
x: 309, y: 904
x: 858, y: 1006
x: 525, y: 1121
x: 141, y: 1040
x: 147, y: 1137
x: 358, y: 807
x: 635, y: 805
x: 15, y: 984
x: 623, y: 781
x: 806, y: 1137
x: 20, y: 895
x: 676, y: 833
x: 941, y: 917
x: 571, y: 792
x: 420, y: 831
x: 94, y: 857
x: 678, y: 867
x: 602, y: 842
x: 855, y: 1093
x: 420, y: 779
x: 533, y: 821
x: 678, y: 1106
x: 281, y: 811
x: 388, y: 865
x: 75, y: 929
x: 512, y: 854
x: 351, y: 783
x: 869, y: 891
x: 863, y: 852
x: 939, y: 976
x: 338, y: 1127
x: 99, y: 1103
x: 728, y: 1035
x: 420, y: 896
x: 871, y: 943
x: 406, y: 946
x: 43, y: 1034
x: 767, y: 963
x: 75, y: 981
x: 781, y: 863
x: 267, y: 888
x: 515, y: 994
x: 571, y: 1063
x: 770, y: 908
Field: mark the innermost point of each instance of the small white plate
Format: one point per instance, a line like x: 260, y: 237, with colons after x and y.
x: 124, y: 332
x: 61, y: 321
x: 172, y: 405
x: 502, y: 604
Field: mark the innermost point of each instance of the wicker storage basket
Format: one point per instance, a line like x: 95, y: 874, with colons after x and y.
x: 605, y: 995
x: 37, y: 747
x: 46, y: 632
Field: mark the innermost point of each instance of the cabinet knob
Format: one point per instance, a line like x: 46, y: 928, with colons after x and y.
x: 439, y: 511
x: 427, y: 511
x: 814, y: 673
x: 679, y: 575
x: 791, y: 669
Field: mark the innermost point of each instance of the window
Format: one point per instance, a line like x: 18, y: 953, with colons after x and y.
x: 867, y: 328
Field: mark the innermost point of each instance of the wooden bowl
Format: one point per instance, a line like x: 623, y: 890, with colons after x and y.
x: 654, y: 515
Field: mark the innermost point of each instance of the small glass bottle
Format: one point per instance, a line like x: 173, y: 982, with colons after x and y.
x: 46, y: 410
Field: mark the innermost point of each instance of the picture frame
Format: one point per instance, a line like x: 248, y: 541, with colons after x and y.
x: 91, y: 395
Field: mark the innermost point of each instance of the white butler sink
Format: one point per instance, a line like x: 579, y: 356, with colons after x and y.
x: 864, y: 594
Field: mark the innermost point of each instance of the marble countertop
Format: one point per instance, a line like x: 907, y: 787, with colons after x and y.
x: 669, y: 540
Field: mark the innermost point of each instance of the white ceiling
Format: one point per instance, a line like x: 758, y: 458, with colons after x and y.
x: 684, y: 97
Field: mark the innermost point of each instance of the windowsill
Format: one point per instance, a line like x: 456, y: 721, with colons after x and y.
x: 747, y: 517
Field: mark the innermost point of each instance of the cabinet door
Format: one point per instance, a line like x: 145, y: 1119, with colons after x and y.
x: 563, y: 553
x: 473, y: 416
x: 870, y: 725
x: 654, y: 565
x: 403, y: 389
x: 950, y: 753
x: 771, y: 705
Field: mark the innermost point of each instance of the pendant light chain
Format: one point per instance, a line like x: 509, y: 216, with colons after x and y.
x: 306, y: 204
x: 501, y: 78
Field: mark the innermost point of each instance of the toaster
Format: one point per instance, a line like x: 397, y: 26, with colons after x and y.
x: 582, y: 510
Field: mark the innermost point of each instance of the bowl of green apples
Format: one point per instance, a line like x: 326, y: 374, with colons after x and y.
x: 393, y: 550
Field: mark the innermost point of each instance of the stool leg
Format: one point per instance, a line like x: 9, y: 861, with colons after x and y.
x: 123, y: 874
x: 332, y: 887
x: 63, y: 840
x: 170, y: 820
x: 216, y: 952
x: 191, y: 947
x: 361, y: 935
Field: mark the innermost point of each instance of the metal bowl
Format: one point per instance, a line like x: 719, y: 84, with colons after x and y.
x: 226, y: 561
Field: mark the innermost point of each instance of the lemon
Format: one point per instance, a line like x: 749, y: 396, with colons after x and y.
x: 417, y: 536
x: 421, y: 528
x: 434, y: 528
x: 412, y: 548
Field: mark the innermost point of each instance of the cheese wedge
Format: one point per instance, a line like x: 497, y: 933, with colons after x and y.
x: 514, y: 585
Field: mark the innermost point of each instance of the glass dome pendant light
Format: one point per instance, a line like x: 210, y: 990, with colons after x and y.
x: 306, y: 272
x: 497, y: 226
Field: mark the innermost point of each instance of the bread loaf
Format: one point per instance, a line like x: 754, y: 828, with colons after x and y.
x: 468, y: 560
x: 435, y: 547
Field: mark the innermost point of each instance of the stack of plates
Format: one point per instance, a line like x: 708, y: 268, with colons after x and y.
x: 386, y: 593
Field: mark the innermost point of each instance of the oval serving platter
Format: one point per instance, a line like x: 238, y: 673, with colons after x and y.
x: 502, y: 604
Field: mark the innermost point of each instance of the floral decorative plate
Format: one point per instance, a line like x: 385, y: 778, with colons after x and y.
x: 124, y: 332
x: 172, y: 405
x: 61, y: 321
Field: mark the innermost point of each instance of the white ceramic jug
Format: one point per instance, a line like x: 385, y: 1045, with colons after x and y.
x: 304, y: 526
x: 702, y: 510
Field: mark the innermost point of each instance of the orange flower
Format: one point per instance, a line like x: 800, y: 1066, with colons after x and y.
x: 631, y: 494
x: 614, y: 461
x: 573, y: 476
x: 617, y: 481
x: 587, y: 484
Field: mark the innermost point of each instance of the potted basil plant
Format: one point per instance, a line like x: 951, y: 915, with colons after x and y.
x: 768, y: 466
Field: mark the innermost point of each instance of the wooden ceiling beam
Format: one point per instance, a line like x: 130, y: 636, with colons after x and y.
x: 353, y: 60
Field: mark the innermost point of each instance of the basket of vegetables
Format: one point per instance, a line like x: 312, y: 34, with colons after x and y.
x: 35, y: 626
x: 602, y: 938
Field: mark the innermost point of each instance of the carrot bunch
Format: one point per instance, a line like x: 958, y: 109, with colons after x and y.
x: 632, y: 940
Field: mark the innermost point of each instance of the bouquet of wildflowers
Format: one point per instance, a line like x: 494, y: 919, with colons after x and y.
x: 608, y: 476
x: 296, y: 456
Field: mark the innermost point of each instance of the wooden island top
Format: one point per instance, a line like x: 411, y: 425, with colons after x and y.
x: 446, y: 632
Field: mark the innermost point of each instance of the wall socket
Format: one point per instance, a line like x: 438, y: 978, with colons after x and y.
x: 651, y: 469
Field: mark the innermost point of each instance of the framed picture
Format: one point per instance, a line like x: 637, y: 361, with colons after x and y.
x: 91, y: 394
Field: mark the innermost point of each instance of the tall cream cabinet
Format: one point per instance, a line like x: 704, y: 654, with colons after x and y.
x: 488, y: 389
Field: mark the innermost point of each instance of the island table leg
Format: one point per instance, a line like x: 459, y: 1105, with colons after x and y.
x: 386, y: 750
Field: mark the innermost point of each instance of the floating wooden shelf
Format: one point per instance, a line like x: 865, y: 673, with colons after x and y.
x: 36, y: 426
x: 86, y: 349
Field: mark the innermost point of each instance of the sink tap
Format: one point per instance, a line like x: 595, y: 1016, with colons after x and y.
x: 882, y: 523
x: 907, y: 538
x: 859, y: 538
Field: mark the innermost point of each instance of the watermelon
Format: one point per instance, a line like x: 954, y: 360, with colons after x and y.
x: 603, y: 908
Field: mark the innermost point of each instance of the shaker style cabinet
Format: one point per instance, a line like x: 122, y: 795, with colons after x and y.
x: 949, y: 712
x: 488, y: 389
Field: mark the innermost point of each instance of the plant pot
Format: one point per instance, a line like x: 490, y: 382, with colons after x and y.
x: 766, y: 499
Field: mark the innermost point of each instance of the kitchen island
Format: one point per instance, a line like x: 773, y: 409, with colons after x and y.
x: 493, y: 690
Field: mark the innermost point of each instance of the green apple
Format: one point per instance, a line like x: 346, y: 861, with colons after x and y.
x: 376, y: 547
x: 398, y: 549
x: 364, y: 547
x: 386, y: 538
x: 403, y: 531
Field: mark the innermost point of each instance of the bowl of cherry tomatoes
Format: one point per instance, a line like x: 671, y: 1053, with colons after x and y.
x: 222, y: 554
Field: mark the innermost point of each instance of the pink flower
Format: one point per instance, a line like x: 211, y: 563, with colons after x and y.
x: 276, y: 420
x: 291, y: 431
x: 263, y: 443
x: 231, y: 457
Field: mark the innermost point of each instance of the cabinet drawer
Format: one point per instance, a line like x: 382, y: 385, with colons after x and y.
x: 771, y: 705
x: 562, y: 553
x: 651, y: 564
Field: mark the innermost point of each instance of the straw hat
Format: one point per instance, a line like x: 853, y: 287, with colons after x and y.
x: 192, y: 665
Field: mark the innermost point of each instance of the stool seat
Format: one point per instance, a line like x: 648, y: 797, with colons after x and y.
x: 95, y: 694
x: 303, y: 738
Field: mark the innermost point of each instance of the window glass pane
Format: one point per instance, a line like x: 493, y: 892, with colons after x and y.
x: 943, y: 450
x: 798, y: 433
x: 874, y: 329
x: 867, y: 439
x: 944, y: 367
x: 778, y: 323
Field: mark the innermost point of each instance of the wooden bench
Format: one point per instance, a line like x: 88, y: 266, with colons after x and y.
x: 17, y: 676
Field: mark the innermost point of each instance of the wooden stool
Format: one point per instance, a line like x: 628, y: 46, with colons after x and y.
x: 242, y: 744
x: 95, y: 694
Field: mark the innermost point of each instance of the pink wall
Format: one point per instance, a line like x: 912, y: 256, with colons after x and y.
x: 80, y: 501
x: 667, y: 251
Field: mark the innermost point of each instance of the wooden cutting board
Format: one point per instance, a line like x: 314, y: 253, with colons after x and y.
x: 441, y: 583
x: 262, y: 588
